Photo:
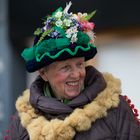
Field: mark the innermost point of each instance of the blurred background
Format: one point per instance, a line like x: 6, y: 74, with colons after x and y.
x: 118, y: 42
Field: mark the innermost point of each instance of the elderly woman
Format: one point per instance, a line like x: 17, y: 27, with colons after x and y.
x: 69, y: 101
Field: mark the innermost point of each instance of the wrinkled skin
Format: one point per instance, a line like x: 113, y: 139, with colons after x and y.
x: 66, y: 77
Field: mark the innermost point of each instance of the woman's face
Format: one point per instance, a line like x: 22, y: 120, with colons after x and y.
x: 66, y: 78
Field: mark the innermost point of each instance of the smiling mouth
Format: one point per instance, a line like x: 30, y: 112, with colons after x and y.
x: 73, y: 83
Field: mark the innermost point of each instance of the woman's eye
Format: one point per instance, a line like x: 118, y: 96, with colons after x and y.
x: 65, y: 67
x: 80, y: 64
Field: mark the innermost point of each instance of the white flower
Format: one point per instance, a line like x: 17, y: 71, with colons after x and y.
x: 58, y: 23
x: 79, y: 14
x: 67, y: 22
x: 58, y: 15
x: 92, y: 36
x: 82, y: 15
x: 45, y: 28
x: 74, y: 16
x: 74, y: 38
x: 72, y: 33
x: 69, y: 31
x: 68, y: 35
x: 74, y: 29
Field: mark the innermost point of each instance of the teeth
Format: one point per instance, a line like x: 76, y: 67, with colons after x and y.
x: 73, y: 83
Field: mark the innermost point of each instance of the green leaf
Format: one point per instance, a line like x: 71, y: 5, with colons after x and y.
x: 38, y: 31
x: 89, y: 16
x: 44, y: 34
x: 45, y: 18
x: 59, y: 9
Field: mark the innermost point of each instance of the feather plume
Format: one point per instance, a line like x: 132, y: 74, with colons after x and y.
x: 67, y: 7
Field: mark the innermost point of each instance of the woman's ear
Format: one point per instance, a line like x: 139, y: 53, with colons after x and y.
x: 42, y: 73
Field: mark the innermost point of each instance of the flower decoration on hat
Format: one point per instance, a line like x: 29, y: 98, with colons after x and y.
x: 63, y: 33
x: 68, y: 22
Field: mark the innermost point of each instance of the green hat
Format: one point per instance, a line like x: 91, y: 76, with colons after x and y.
x: 63, y: 36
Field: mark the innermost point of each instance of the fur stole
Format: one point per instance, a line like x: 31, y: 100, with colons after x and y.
x: 39, y: 128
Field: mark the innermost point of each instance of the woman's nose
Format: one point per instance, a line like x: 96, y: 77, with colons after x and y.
x: 75, y: 73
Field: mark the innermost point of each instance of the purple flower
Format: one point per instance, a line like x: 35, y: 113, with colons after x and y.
x: 74, y: 20
x: 79, y: 27
x: 54, y: 34
x: 49, y: 22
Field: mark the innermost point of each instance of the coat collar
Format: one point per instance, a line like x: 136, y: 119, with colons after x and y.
x: 39, y: 127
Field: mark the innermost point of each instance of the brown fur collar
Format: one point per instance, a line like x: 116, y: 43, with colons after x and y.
x: 39, y: 128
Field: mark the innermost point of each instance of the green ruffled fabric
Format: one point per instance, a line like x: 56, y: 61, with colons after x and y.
x: 44, y: 48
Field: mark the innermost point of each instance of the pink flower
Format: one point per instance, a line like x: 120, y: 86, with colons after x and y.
x: 87, y: 25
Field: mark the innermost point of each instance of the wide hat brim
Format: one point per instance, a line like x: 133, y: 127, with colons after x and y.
x: 85, y: 51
